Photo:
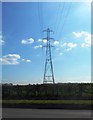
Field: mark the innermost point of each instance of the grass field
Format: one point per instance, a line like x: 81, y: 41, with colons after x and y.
x: 78, y: 102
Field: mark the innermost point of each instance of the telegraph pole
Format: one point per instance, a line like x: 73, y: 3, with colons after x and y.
x: 48, y: 71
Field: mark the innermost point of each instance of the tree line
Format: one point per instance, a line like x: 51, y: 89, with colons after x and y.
x: 60, y: 91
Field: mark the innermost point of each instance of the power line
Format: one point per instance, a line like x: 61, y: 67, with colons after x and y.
x: 40, y: 16
x: 66, y: 16
x: 40, y: 24
x: 57, y: 12
x: 60, y: 16
x: 60, y: 13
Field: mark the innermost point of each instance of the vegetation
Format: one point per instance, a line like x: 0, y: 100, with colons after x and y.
x: 76, y: 102
x: 62, y: 91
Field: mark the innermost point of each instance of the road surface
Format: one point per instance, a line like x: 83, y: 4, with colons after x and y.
x: 45, y: 113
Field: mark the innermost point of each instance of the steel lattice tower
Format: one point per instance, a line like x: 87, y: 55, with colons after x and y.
x: 48, y: 71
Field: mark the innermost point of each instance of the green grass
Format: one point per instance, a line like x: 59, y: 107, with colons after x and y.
x: 87, y: 102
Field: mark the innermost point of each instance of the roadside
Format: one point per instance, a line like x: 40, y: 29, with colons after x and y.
x: 48, y: 104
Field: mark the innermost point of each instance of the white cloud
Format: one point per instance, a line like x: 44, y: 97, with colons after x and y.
x: 23, y: 59
x: 68, y: 46
x: 10, y: 59
x: 1, y: 40
x: 85, y: 37
x: 26, y: 60
x: 64, y: 44
x: 72, y: 45
x: 44, y: 40
x: 84, y: 45
x: 77, y: 34
x: 60, y: 53
x: 27, y: 41
x: 56, y: 43
x: 68, y: 49
x: 37, y: 46
x: 39, y: 40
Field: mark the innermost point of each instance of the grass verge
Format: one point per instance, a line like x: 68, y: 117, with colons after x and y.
x: 77, y: 102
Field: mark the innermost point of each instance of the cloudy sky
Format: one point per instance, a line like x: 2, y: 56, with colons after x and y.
x: 21, y: 41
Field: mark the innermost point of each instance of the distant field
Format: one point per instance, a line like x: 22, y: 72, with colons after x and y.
x: 85, y: 102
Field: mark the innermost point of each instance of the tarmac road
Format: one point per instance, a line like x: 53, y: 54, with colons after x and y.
x: 45, y: 113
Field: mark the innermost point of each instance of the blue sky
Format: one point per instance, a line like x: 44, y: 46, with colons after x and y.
x: 21, y: 40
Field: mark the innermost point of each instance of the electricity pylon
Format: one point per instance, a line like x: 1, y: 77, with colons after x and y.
x: 48, y: 71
